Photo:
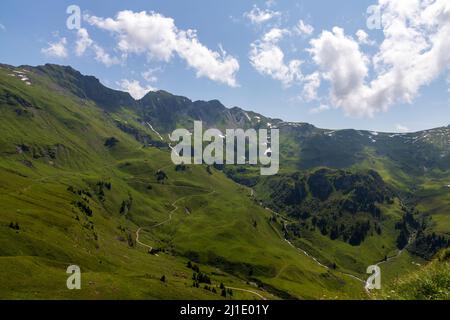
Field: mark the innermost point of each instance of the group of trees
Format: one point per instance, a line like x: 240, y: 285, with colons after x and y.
x: 192, y: 266
x: 125, y: 207
x: 83, y: 207
x: 79, y: 192
x: 340, y: 204
x: 180, y: 167
x: 225, y: 291
x: 14, y: 226
x: 161, y: 176
x: 199, y: 277
x: 428, y: 244
x: 99, y: 189
x: 111, y: 142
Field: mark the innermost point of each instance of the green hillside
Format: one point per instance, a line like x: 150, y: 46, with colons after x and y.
x: 76, y: 187
x: 87, y: 179
x: 430, y: 283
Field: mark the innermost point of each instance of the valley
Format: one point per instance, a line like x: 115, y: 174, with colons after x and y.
x: 87, y: 179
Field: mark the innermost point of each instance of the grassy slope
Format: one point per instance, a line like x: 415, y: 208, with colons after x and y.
x: 219, y: 231
x: 432, y: 282
x: 431, y: 195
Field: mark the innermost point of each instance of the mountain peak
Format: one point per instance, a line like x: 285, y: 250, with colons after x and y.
x: 86, y: 87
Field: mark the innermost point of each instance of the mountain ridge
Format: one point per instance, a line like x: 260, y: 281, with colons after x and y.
x: 127, y: 100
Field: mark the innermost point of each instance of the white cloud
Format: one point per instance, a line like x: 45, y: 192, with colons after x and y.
x: 414, y: 53
x: 259, y: 16
x: 134, y: 88
x: 401, y: 128
x: 141, y: 32
x: 274, y: 35
x: 84, y: 42
x: 341, y: 63
x: 102, y: 56
x: 149, y: 75
x: 319, y: 109
x: 219, y: 67
x: 56, y: 49
x: 312, y: 84
x: 268, y: 58
x: 363, y: 38
x: 304, y: 29
x: 2, y: 27
x: 158, y: 37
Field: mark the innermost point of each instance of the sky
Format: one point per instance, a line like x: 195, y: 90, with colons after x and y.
x: 381, y: 65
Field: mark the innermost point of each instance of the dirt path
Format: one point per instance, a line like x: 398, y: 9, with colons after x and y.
x: 252, y: 193
x: 365, y: 282
x: 139, y: 242
x: 175, y: 208
x: 248, y: 291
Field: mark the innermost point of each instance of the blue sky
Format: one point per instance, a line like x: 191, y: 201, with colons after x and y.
x: 357, y: 78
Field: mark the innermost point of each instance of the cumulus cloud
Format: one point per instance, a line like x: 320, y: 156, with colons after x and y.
x: 259, y: 16
x: 219, y: 67
x: 311, y: 85
x: 344, y: 65
x: 363, y: 38
x: 84, y: 42
x: 102, y: 56
x: 268, y: 59
x: 134, y: 88
x: 149, y: 75
x: 319, y: 109
x: 401, y: 128
x: 56, y: 49
x: 414, y: 53
x: 158, y: 37
x: 303, y: 28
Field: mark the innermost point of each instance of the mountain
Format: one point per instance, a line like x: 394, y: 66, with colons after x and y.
x: 87, y: 179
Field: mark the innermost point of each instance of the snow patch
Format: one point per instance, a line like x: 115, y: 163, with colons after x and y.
x: 21, y: 75
x: 151, y: 127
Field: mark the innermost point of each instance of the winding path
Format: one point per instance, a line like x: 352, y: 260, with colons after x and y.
x: 252, y: 193
x: 366, y: 282
x: 248, y: 291
x: 175, y: 208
